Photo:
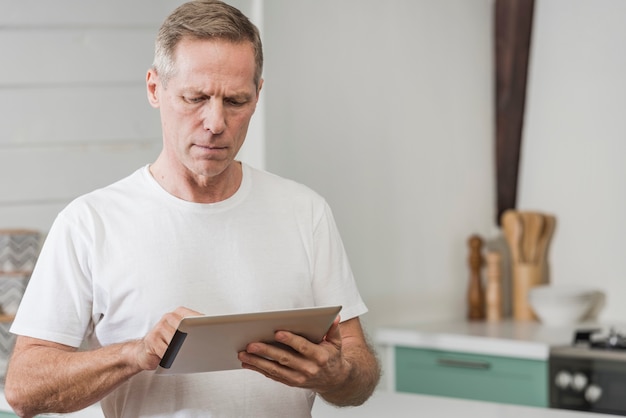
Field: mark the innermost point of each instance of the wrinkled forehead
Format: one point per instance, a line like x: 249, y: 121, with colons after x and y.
x: 204, y: 62
x: 243, y: 50
x: 196, y: 54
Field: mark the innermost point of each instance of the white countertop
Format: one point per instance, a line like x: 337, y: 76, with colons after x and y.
x: 506, y: 338
x: 401, y: 405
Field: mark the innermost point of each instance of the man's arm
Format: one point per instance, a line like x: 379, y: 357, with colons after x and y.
x: 343, y: 368
x: 44, y: 376
x: 47, y: 377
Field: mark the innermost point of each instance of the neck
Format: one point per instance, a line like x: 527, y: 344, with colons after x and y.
x: 197, y: 188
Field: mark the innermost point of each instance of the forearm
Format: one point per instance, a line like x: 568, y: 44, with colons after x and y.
x: 44, y: 379
x: 363, y: 376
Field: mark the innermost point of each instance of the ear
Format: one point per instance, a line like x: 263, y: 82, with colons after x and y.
x: 258, y: 91
x: 152, y: 86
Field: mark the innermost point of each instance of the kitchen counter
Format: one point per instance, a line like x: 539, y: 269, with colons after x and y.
x: 507, y: 338
x: 401, y: 405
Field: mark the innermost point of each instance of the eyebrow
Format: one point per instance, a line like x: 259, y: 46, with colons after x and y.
x: 241, y: 95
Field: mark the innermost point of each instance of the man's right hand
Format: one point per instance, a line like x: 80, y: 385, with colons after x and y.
x: 151, y: 348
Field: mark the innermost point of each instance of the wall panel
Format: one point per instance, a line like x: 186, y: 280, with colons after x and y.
x: 61, y: 173
x: 85, y: 12
x: 75, y: 56
x: 72, y: 98
x: 70, y: 114
x: 33, y: 215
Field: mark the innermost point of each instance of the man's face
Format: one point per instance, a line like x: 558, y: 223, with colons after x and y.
x: 205, y: 106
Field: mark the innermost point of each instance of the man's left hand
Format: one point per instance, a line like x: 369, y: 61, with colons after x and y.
x: 299, y: 362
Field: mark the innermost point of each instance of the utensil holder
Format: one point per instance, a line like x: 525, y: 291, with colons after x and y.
x: 525, y: 276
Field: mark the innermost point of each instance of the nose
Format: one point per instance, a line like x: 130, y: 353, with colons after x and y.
x: 213, y: 116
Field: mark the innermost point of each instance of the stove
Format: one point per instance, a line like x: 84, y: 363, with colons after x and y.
x: 590, y: 374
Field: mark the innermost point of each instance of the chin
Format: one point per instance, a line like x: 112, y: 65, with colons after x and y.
x: 211, y: 170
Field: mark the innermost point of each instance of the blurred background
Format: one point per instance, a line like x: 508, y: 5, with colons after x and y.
x: 385, y: 108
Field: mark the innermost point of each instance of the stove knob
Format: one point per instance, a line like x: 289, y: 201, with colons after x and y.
x: 593, y: 393
x: 579, y: 382
x: 563, y: 379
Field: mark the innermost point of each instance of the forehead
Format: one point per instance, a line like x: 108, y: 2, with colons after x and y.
x: 214, y: 60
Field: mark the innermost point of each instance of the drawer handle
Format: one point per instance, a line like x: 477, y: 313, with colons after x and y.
x: 464, y: 364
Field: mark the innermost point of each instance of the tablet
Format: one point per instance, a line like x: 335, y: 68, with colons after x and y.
x: 211, y: 343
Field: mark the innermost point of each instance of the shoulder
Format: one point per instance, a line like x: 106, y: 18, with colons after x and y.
x: 274, y: 184
x: 119, y: 193
x: 288, y: 198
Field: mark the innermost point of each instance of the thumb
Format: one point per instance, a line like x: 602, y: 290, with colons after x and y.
x: 333, y: 335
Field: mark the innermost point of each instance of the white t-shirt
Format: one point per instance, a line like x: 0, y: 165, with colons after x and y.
x: 118, y: 258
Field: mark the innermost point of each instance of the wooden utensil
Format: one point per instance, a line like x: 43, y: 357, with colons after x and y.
x: 512, y: 227
x: 532, y: 226
x: 528, y: 236
x: 544, y: 240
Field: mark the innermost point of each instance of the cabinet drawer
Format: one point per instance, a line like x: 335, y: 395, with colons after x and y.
x: 471, y: 376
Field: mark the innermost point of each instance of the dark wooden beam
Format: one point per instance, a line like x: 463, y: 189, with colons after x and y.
x: 513, y: 27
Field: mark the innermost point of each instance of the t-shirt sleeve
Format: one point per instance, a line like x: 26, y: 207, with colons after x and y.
x: 57, y: 303
x: 333, y: 280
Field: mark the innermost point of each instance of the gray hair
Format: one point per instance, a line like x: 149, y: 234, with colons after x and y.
x: 204, y: 19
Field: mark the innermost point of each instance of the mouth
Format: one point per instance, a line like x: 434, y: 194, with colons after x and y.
x: 210, y: 147
x: 210, y: 152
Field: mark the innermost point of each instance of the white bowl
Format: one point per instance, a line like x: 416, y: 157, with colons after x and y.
x: 563, y: 305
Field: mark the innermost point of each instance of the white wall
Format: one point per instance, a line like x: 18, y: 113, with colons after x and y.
x: 574, y: 154
x: 385, y: 108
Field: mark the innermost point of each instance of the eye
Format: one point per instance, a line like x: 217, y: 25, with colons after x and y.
x: 193, y: 99
x: 234, y: 102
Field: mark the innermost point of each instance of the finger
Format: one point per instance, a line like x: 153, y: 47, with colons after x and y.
x: 280, y: 353
x: 333, y: 335
x: 172, y: 319
x: 184, y: 311
x: 158, y: 339
x: 271, y: 369
x: 161, y: 335
x: 311, y: 359
x: 268, y: 371
x: 153, y: 346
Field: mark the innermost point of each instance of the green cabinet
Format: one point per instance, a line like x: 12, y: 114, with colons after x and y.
x: 7, y: 415
x: 472, y: 376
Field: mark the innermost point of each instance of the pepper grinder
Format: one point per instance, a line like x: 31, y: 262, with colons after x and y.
x: 493, y: 298
x: 475, y: 295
